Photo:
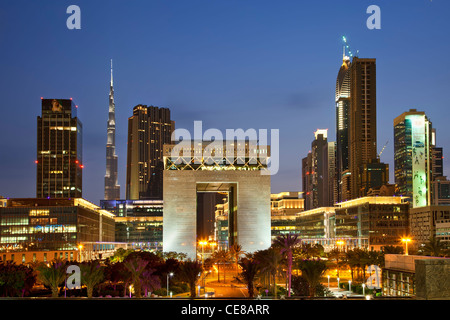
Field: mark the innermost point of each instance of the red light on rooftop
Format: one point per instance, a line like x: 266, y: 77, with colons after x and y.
x: 42, y: 98
x: 70, y: 98
x: 35, y: 161
x: 76, y: 161
x: 81, y: 166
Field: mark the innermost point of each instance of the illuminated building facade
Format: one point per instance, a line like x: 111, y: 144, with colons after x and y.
x: 318, y: 170
x: 112, y: 188
x: 221, y: 226
x: 413, y: 157
x: 139, y: 223
x: 53, y: 225
x: 59, y: 159
x: 342, y: 100
x: 285, y: 207
x: 424, y: 220
x: 381, y: 220
x: 441, y: 191
x: 148, y: 130
x: 194, y: 168
x: 362, y: 120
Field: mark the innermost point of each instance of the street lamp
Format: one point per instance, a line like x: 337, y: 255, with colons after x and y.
x: 203, y: 244
x: 80, y: 246
x: 350, y: 285
x: 338, y: 282
x: 406, y: 241
x: 169, y: 274
x: 328, y: 276
x: 364, y: 289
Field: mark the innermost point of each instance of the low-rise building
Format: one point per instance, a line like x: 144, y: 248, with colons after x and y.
x: 382, y: 220
x: 139, y: 223
x: 423, y: 222
x: 56, y: 227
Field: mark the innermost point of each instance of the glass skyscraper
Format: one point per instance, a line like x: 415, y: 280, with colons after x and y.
x: 413, y: 156
x: 59, y: 150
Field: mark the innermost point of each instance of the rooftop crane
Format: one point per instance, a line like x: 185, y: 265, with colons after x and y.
x: 379, y: 155
x: 347, y: 47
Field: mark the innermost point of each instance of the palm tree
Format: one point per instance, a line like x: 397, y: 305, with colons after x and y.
x: 190, y: 272
x: 236, y: 252
x: 92, y: 273
x: 336, y: 256
x: 150, y: 282
x: 270, y: 261
x: 312, y: 271
x: 52, y: 275
x: 221, y: 257
x: 286, y: 242
x: 433, y: 247
x: 136, y: 267
x: 250, y: 269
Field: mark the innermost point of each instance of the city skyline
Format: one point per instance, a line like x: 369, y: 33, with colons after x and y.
x: 208, y: 71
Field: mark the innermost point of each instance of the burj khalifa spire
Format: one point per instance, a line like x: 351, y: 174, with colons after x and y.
x: 112, y: 189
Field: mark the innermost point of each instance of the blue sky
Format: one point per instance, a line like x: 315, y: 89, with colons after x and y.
x: 230, y: 63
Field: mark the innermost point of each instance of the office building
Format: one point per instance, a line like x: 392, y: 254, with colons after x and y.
x: 59, y: 160
x: 148, y: 130
x: 441, y: 191
x: 423, y: 222
x: 342, y: 104
x: 362, y: 120
x: 413, y: 157
x: 285, y: 207
x: 138, y: 223
x: 57, y: 226
x: 221, y: 226
x: 319, y: 172
x: 112, y: 188
x: 381, y: 220
x: 373, y: 175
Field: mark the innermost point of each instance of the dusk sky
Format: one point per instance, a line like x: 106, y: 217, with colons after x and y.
x: 230, y: 63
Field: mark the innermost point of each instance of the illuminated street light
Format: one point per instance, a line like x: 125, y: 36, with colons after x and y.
x: 406, y: 241
x: 80, y: 247
x: 171, y: 275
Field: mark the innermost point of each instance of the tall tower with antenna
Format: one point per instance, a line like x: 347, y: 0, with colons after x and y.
x: 112, y: 188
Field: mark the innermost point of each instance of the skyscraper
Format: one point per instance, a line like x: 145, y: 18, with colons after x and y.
x: 413, y: 156
x: 342, y: 101
x: 362, y: 120
x: 112, y: 188
x: 148, y: 130
x: 317, y: 168
x: 59, y: 150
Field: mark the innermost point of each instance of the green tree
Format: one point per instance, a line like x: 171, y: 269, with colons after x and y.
x: 52, y: 275
x: 136, y: 267
x: 313, y: 271
x: 336, y: 259
x: 286, y: 243
x: 270, y: 261
x: 92, y: 274
x: 236, y: 252
x: 190, y: 272
x: 434, y: 247
x: 15, y: 280
x: 249, y: 271
x: 221, y: 257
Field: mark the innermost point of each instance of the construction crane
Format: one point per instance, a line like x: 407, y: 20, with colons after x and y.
x: 347, y: 47
x: 379, y: 155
